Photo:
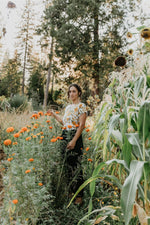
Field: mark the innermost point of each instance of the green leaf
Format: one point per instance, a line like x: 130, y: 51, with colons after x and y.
x: 116, y: 134
x: 140, y: 28
x: 127, y: 150
x: 129, y: 189
x: 113, y: 122
x: 90, y: 206
x: 95, y: 173
x: 133, y: 138
x: 137, y: 87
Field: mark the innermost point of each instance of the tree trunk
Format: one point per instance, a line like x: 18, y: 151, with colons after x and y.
x: 96, y: 50
x: 49, y: 74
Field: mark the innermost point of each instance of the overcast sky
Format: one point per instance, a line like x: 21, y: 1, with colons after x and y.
x: 9, y: 18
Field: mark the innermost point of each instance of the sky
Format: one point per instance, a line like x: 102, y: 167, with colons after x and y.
x: 10, y: 18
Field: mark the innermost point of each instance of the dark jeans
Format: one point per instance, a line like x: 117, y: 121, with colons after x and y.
x: 72, y: 161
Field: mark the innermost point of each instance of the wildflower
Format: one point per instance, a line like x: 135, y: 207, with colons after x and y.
x: 69, y: 126
x: 76, y: 125
x: 13, y: 154
x: 35, y: 116
x: 7, y: 142
x: 87, y: 130
x: 16, y: 135
x: 15, y: 201
x: 38, y: 134
x: 40, y: 113
x: 129, y: 35
x: 41, y: 133
x: 57, y: 112
x: 35, y: 126
x: 40, y: 184
x: 24, y: 129
x: 34, y: 136
x: 87, y: 149
x: 9, y: 159
x: 130, y: 52
x: 28, y: 138
x: 90, y: 160
x: 50, y: 127
x: 145, y: 33
x: 27, y: 171
x: 60, y: 138
x: 42, y: 137
x: 53, y: 139
x: 48, y: 121
x: 9, y: 129
x: 89, y: 138
x: 40, y: 141
x: 31, y: 160
x: 102, y: 203
x: 120, y: 61
x: 63, y: 128
x: 33, y: 168
x: 115, y: 193
x: 15, y: 143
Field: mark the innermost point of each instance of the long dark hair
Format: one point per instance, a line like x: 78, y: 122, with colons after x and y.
x: 77, y: 87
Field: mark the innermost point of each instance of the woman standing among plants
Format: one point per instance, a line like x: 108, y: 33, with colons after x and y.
x: 71, y: 149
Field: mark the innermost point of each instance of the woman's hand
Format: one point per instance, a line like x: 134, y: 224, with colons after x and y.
x: 71, y: 145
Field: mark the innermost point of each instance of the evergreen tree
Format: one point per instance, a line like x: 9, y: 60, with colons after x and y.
x: 89, y: 33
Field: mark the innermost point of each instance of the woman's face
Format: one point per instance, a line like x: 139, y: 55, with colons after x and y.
x: 73, y: 93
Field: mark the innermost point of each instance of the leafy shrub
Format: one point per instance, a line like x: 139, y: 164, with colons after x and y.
x: 18, y: 102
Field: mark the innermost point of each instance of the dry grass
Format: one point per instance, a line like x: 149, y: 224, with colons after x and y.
x: 14, y: 120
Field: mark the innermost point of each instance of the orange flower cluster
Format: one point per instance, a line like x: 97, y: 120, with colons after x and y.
x: 87, y: 130
x: 27, y: 171
x: 15, y: 201
x: 50, y: 127
x: 89, y: 138
x: 64, y: 128
x: 87, y: 149
x: 53, y: 139
x: 16, y: 135
x: 57, y: 112
x: 90, y: 160
x: 48, y: 121
x: 40, y: 113
x: 7, y: 142
x: 15, y: 143
x: 60, y: 138
x: 40, y: 184
x: 9, y: 159
x: 23, y: 129
x: 31, y: 160
x: 28, y: 138
x: 9, y: 129
x: 69, y: 126
x: 35, y: 116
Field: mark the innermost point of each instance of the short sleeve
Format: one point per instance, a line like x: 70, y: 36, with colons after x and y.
x: 82, y: 109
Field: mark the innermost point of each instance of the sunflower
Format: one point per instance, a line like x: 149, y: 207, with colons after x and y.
x: 129, y: 35
x: 120, y: 61
x: 145, y: 33
x: 130, y: 52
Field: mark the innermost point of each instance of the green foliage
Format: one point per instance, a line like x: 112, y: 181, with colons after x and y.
x: 18, y: 102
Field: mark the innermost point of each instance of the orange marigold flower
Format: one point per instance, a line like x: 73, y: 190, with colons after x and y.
x: 15, y: 201
x: 34, y: 136
x: 9, y: 159
x: 40, y: 113
x: 13, y: 154
x: 50, y: 127
x: 42, y: 137
x: 40, y: 141
x: 90, y: 160
x: 76, y: 125
x: 48, y: 121
x: 60, y: 138
x: 38, y: 134
x: 33, y: 168
x: 41, y: 132
x: 9, y: 129
x: 53, y: 139
x: 40, y: 184
x: 69, y: 126
x: 27, y: 171
x: 31, y: 160
x: 87, y: 130
x: 63, y: 128
x: 24, y: 129
x: 16, y: 135
x: 7, y: 142
x: 87, y: 148
x: 28, y: 138
x: 34, y: 116
x: 35, y: 126
x: 89, y: 138
x: 15, y: 143
x: 57, y: 112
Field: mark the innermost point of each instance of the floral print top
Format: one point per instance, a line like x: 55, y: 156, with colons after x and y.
x: 72, y: 114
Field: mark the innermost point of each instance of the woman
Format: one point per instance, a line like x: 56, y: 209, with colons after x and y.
x: 74, y: 123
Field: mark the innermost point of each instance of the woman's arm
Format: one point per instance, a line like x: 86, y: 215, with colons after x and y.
x: 82, y: 120
x: 56, y: 116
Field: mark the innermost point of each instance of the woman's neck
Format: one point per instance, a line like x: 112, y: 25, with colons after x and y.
x: 76, y: 102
